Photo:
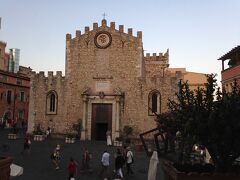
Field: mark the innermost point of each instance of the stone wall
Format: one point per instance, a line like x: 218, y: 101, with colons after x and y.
x: 40, y: 86
x: 117, y: 73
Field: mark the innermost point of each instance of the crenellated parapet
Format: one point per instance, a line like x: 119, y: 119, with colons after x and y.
x: 156, y: 65
x: 104, y: 25
x: 156, y: 59
x: 50, y: 79
x: 88, y: 45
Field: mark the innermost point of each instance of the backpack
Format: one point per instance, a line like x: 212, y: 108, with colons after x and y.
x: 52, y: 156
x: 132, y: 159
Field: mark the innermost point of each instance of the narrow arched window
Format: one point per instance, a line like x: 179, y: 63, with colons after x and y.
x: 51, y: 104
x: 154, y: 102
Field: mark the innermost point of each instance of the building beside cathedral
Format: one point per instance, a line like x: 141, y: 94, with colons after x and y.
x: 231, y: 73
x: 14, y: 87
x: 109, y: 83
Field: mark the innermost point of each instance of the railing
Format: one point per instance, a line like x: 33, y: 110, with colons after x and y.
x: 231, y: 73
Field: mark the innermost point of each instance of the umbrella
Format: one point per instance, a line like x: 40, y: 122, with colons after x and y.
x: 152, y: 171
x: 16, y: 170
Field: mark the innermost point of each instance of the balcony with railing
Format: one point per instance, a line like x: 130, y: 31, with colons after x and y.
x: 231, y: 73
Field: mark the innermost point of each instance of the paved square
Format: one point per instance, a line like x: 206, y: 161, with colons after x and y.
x: 38, y: 166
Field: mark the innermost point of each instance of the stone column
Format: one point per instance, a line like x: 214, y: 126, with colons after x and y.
x: 84, y: 119
x: 117, y: 117
x: 89, y: 120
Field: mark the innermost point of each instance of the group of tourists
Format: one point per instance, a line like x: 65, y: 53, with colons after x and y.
x: 9, y: 123
x: 123, y: 158
x: 14, y: 125
x: 72, y: 164
x: 123, y: 163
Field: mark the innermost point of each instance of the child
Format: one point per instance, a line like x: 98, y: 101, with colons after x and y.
x: 72, y: 168
x: 55, y: 156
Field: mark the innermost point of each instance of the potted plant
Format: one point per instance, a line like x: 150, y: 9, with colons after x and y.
x: 13, y: 134
x: 70, y: 138
x: 77, y: 127
x: 118, y: 141
x: 38, y: 134
x: 70, y: 135
x: 196, y: 118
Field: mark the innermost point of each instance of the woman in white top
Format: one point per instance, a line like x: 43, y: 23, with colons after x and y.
x: 129, y: 161
x: 109, y: 138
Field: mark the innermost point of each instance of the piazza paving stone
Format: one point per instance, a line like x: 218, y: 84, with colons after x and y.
x: 38, y: 165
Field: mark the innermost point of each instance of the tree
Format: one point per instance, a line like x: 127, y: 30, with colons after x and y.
x: 201, y: 120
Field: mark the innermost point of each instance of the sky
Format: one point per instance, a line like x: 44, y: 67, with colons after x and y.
x: 197, y: 32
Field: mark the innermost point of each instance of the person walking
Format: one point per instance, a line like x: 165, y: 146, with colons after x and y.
x: 119, y: 162
x: 129, y: 161
x: 85, y: 161
x: 72, y: 169
x: 14, y: 126
x: 124, y: 152
x: 105, y: 164
x: 48, y: 132
x: 55, y: 156
x: 26, y: 144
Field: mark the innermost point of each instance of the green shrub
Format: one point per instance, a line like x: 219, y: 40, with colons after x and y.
x: 127, y: 130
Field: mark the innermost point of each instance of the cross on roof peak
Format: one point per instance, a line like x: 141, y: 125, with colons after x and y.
x: 104, y: 15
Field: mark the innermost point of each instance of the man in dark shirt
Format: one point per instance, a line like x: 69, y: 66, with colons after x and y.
x: 119, y: 162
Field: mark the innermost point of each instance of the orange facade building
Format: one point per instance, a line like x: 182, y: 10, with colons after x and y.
x: 14, y: 91
x: 232, y: 72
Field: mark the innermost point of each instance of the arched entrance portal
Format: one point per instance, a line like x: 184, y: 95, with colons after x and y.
x: 101, y: 120
x: 100, y: 115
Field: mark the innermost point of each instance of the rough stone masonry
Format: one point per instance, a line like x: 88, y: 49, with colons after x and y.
x: 109, y: 83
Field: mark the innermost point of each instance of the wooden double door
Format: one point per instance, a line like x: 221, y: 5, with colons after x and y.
x: 101, y: 120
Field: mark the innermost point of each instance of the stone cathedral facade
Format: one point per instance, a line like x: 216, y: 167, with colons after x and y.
x: 109, y: 83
